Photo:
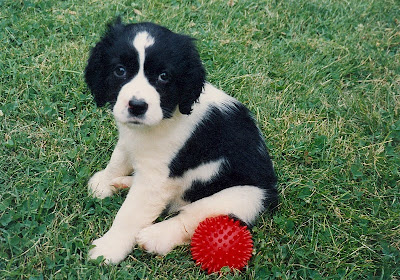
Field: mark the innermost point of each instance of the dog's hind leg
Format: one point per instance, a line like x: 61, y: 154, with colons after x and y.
x: 243, y: 202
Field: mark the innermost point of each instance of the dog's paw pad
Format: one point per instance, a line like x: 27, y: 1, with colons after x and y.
x: 124, y: 182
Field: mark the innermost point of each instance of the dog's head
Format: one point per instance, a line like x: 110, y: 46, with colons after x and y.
x: 146, y: 72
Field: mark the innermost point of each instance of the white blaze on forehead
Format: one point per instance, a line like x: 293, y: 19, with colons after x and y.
x: 142, y: 41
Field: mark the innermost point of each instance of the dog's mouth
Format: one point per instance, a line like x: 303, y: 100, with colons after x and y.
x: 135, y: 122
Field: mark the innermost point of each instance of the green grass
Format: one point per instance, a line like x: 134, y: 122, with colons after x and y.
x: 322, y: 77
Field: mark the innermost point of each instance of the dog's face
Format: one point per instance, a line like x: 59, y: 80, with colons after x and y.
x: 146, y: 72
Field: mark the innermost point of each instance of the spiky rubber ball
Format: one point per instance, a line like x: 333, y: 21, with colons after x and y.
x: 221, y: 241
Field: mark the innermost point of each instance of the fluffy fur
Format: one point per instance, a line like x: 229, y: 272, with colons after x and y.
x: 184, y: 146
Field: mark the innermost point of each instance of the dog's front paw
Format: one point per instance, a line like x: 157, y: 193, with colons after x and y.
x: 162, y: 237
x: 123, y: 182
x: 114, y: 249
x: 100, y: 185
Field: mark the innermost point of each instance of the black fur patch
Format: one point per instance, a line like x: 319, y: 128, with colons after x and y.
x: 233, y: 136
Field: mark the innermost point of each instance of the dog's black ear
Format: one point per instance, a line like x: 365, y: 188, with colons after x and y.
x: 95, y: 72
x: 193, y: 89
x: 192, y: 82
x: 95, y: 76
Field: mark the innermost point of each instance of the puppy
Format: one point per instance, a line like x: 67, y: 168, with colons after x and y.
x: 184, y: 146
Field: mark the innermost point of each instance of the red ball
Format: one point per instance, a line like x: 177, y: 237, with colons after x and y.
x: 221, y: 241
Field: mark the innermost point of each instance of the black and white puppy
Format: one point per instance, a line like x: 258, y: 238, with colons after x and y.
x: 191, y: 148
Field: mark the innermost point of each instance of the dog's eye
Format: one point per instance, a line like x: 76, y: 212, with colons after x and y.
x: 163, y: 77
x: 120, y: 71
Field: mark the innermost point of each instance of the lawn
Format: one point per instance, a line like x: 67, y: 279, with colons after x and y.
x: 322, y: 78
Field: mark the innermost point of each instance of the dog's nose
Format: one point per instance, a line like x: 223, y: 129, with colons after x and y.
x: 137, y: 107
